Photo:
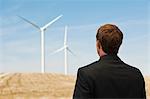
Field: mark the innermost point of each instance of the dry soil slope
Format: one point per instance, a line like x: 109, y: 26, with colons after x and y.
x: 36, y: 85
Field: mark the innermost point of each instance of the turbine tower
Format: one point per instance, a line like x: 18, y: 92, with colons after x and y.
x: 42, y: 31
x: 65, y: 48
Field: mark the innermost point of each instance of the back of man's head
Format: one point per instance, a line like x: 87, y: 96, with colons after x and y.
x: 110, y: 38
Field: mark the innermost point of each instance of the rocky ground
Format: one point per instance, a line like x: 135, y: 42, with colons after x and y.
x: 40, y: 86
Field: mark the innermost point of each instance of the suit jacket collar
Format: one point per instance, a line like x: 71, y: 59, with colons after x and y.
x: 109, y: 58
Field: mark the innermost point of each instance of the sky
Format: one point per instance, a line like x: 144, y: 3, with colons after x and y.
x: 20, y: 41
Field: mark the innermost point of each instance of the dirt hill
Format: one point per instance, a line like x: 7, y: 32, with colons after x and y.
x: 40, y: 86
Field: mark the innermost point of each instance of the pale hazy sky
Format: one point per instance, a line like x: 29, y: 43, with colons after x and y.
x: 20, y: 42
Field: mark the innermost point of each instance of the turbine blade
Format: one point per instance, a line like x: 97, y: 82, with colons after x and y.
x: 71, y: 51
x: 58, y: 50
x: 65, y: 36
x: 29, y: 22
x: 46, y: 26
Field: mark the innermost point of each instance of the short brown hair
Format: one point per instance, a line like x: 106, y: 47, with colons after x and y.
x: 110, y: 38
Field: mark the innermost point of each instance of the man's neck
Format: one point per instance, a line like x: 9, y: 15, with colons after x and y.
x: 102, y: 53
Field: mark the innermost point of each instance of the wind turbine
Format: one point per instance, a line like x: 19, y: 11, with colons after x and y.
x: 65, y: 48
x: 42, y: 31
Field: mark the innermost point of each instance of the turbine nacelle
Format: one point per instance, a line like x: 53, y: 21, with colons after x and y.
x: 42, y: 29
x: 66, y: 46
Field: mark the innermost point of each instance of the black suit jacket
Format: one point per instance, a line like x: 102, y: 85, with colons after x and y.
x: 109, y: 78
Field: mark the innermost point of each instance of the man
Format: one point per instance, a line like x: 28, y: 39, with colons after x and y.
x: 109, y: 77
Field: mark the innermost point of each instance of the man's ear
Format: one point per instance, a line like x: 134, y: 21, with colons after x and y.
x: 98, y: 45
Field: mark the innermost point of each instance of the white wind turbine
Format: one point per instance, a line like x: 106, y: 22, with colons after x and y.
x: 65, y: 48
x: 42, y: 31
